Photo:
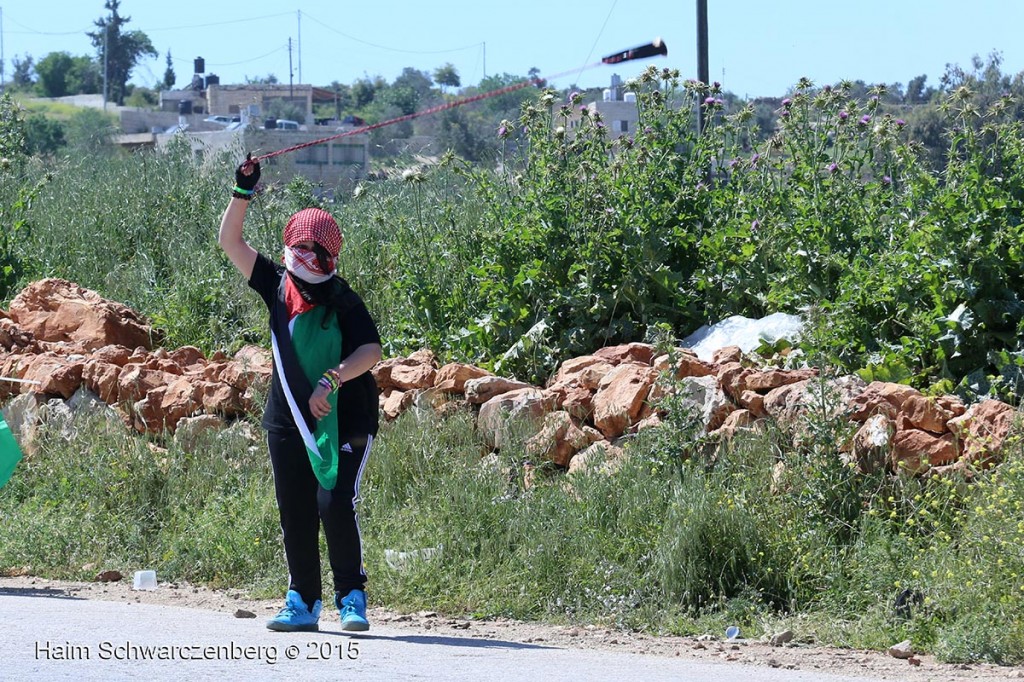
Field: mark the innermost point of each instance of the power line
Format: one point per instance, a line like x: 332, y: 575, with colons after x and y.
x: 244, y: 61
x: 599, y: 33
x: 385, y: 47
x: 218, y: 23
x: 31, y: 31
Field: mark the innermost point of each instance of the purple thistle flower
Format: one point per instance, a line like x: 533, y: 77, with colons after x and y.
x: 648, y: 130
x: 874, y: 98
x: 716, y: 85
x: 785, y: 114
x: 843, y: 115
x: 502, y: 131
x: 786, y: 102
x: 709, y: 100
x: 864, y: 120
x: 599, y: 125
x: 833, y: 167
x: 754, y: 225
x: 754, y: 158
x: 827, y: 88
x: 719, y: 101
x: 900, y: 122
x: 886, y: 180
x: 732, y: 164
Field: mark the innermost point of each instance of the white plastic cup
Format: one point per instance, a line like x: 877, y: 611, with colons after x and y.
x: 144, y: 580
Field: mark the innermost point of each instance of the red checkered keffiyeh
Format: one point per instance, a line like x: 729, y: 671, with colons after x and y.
x: 313, y: 224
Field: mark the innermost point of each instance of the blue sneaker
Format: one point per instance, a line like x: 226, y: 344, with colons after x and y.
x: 353, y: 611
x: 296, y: 616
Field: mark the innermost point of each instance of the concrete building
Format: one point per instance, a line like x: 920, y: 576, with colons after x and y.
x: 617, y: 108
x: 234, y: 99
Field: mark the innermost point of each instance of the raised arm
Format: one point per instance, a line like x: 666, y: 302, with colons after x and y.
x: 230, y: 238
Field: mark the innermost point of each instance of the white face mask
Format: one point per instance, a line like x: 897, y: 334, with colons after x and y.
x: 303, y: 264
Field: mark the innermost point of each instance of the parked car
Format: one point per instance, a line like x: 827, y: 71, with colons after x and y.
x: 285, y: 124
x: 223, y: 120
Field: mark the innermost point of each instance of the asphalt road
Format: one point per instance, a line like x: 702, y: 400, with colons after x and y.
x: 56, y: 637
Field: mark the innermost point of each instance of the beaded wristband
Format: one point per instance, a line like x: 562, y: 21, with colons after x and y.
x: 240, y: 193
x: 331, y: 380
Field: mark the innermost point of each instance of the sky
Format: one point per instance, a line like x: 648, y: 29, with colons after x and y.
x: 756, y: 47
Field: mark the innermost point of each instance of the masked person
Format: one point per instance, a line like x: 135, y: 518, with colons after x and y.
x: 321, y: 414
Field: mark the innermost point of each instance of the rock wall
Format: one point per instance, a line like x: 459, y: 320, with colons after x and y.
x: 63, y: 338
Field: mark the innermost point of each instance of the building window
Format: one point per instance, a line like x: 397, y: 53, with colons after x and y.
x: 349, y: 154
x: 312, y: 156
x: 623, y: 126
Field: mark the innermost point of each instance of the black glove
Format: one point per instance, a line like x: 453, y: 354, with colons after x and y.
x: 245, y: 184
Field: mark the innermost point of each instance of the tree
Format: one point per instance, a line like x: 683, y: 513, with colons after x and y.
x: 169, y: 76
x: 120, y: 51
x: 22, y: 77
x: 447, y: 75
x: 85, y: 77
x: 917, y: 93
x: 53, y: 71
x: 43, y: 135
x: 269, y: 79
x: 410, y: 89
x: 363, y: 92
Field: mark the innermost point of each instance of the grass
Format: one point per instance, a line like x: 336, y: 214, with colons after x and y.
x: 668, y: 544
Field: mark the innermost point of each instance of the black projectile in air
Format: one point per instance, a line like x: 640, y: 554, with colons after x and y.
x: 651, y: 49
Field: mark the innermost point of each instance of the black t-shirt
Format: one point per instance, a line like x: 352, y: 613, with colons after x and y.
x: 357, y: 398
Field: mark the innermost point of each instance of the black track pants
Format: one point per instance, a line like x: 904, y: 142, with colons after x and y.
x: 303, y: 505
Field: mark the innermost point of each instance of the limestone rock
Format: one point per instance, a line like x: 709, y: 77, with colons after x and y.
x: 926, y: 413
x: 558, y: 440
x: 57, y: 310
x: 706, y: 400
x: 983, y: 430
x: 610, y: 456
x: 727, y: 355
x: 872, y: 443
x: 189, y: 430
x: 397, y: 402
x: 620, y: 397
x: 519, y: 412
x: 251, y: 366
x: 102, y: 379
x: 417, y: 376
x: 880, y: 397
x: 763, y: 381
x: 915, y: 451
x: 642, y: 353
x: 452, y: 377
x: 482, y: 390
x: 56, y: 375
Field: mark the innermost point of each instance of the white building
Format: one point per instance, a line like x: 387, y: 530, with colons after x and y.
x: 617, y: 108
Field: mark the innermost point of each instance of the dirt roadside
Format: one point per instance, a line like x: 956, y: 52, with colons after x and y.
x: 790, y: 656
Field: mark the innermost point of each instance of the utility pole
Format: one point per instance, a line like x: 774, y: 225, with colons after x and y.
x: 291, y: 74
x: 485, y: 59
x: 702, y: 56
x: 2, y: 81
x: 298, y: 13
x: 106, y: 59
